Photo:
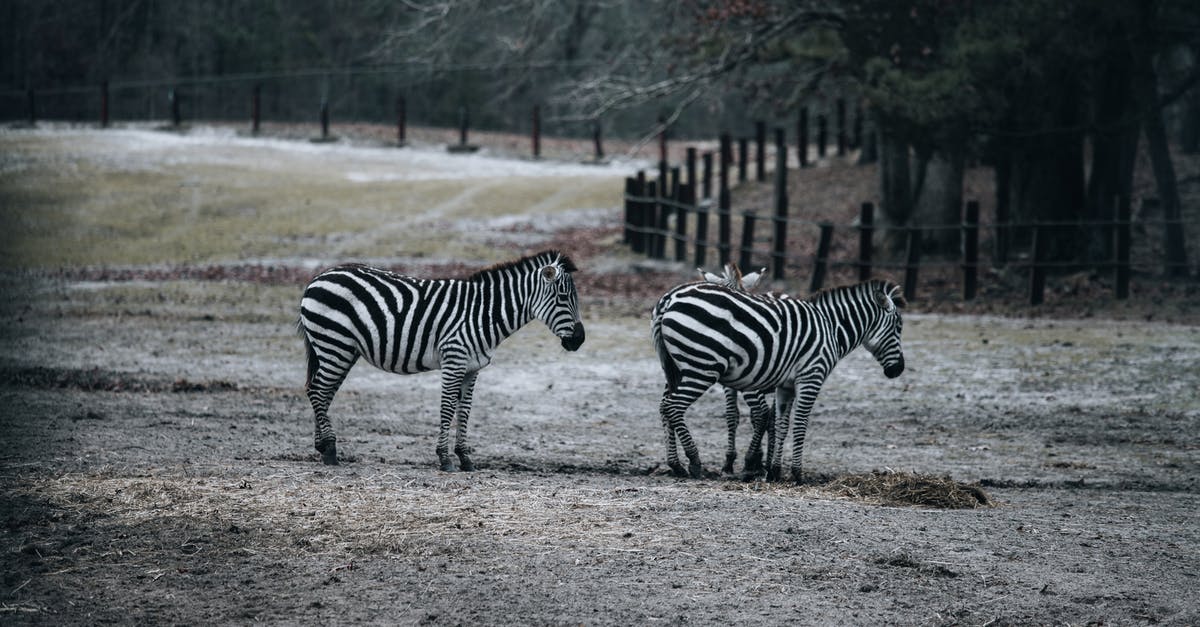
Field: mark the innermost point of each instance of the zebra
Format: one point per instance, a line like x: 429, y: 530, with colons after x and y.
x: 733, y: 278
x: 705, y: 334
x: 406, y: 325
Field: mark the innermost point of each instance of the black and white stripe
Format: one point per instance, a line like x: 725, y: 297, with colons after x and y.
x: 706, y: 334
x: 733, y: 278
x: 406, y: 325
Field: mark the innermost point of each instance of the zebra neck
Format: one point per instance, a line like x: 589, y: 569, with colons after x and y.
x: 848, y: 332
x: 505, y: 304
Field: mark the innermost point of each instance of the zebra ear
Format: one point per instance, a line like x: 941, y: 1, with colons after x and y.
x: 710, y: 277
x: 549, y: 273
x: 752, y: 279
x: 884, y: 301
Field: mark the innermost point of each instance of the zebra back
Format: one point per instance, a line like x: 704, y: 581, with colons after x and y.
x: 406, y: 324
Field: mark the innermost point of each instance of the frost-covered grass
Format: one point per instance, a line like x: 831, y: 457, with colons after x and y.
x: 78, y: 196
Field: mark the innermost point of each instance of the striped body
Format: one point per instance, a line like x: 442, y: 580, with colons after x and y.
x: 760, y: 410
x: 706, y: 334
x: 406, y: 325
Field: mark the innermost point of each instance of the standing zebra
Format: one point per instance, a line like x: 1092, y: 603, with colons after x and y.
x: 405, y: 325
x: 733, y: 278
x: 705, y: 334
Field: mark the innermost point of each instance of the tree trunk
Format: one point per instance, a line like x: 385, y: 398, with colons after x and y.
x: 1146, y: 88
x: 895, y: 183
x: 1113, y: 108
x: 941, y: 201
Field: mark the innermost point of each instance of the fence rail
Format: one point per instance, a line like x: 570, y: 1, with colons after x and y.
x: 654, y: 216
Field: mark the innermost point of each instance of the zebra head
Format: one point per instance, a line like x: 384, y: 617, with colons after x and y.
x: 883, y: 334
x: 556, y: 303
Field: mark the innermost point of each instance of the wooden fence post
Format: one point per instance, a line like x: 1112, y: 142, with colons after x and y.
x: 821, y: 261
x: 638, y: 242
x: 401, y: 121
x: 630, y: 192
x: 747, y: 249
x: 970, y: 243
x: 1122, y: 246
x: 841, y: 127
x: 822, y: 135
x: 255, y: 108
x: 662, y: 217
x: 779, y: 244
x: 596, y: 140
x: 684, y: 194
x: 662, y: 144
x: 912, y: 262
x: 724, y: 202
x: 176, y: 115
x: 701, y: 232
x: 1003, y: 232
x: 464, y: 122
x: 802, y: 137
x: 537, y: 132
x: 1037, y: 272
x: 706, y: 185
x: 650, y: 220
x: 760, y: 150
x: 856, y: 139
x: 866, y: 227
x: 690, y: 166
x: 104, y: 103
x: 743, y: 155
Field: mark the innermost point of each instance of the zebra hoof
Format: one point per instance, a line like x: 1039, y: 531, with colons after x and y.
x: 773, y: 474
x: 796, y: 476
x: 678, y: 470
x: 447, y: 465
x: 328, y: 449
x: 465, y: 465
x: 696, y: 470
x: 728, y: 467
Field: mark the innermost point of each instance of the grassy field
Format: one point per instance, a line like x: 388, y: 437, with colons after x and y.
x: 65, y: 200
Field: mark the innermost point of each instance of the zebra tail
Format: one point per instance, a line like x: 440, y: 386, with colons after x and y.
x: 670, y: 368
x: 309, y: 354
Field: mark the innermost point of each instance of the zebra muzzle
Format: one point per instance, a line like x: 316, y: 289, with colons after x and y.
x: 575, y: 340
x: 893, y: 370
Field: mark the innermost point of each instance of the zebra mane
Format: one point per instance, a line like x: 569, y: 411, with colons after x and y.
x: 887, y: 287
x: 545, y: 257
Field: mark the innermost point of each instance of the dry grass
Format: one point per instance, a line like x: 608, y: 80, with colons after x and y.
x: 902, y: 488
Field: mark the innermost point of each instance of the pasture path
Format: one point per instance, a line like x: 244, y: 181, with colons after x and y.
x: 160, y: 464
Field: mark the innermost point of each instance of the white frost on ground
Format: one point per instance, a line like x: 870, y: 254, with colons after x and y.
x: 142, y: 147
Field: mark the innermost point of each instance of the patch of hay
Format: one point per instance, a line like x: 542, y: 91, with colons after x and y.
x: 903, y: 488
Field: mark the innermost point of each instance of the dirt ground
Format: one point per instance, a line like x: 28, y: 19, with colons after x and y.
x: 159, y: 463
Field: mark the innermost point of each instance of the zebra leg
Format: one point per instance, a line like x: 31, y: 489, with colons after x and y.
x: 806, y: 397
x: 452, y: 382
x: 732, y: 417
x: 325, y: 377
x: 760, y: 418
x: 674, y: 405
x: 672, y: 449
x: 461, y: 448
x: 784, y: 397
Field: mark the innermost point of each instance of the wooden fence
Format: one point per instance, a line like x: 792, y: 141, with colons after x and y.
x: 669, y: 218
